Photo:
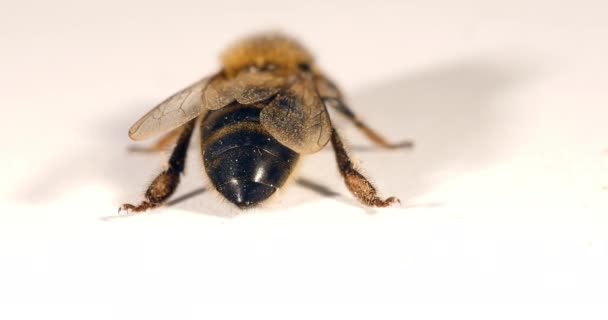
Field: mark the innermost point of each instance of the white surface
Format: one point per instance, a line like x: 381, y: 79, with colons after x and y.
x: 503, y: 215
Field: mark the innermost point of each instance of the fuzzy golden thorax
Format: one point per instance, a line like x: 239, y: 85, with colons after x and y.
x: 264, y: 50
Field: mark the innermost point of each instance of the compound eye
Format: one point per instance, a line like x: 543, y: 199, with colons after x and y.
x: 304, y: 67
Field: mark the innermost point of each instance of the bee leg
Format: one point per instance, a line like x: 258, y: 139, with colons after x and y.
x: 338, y: 105
x: 166, y: 182
x: 358, y: 185
x: 160, y: 145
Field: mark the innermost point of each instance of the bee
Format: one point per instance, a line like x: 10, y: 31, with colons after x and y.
x: 257, y: 115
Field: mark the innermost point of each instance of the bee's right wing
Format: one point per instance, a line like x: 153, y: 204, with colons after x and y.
x: 176, y: 110
x: 297, y: 118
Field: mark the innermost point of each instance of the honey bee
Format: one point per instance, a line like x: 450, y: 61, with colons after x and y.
x: 257, y: 115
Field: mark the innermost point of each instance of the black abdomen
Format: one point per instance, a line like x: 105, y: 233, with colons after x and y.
x: 244, y: 162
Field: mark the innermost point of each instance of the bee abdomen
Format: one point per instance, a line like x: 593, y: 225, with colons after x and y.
x: 244, y: 162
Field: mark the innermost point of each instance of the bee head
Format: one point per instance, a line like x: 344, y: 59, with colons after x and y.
x: 270, y: 51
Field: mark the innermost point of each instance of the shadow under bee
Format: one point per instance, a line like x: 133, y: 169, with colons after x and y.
x: 449, y: 111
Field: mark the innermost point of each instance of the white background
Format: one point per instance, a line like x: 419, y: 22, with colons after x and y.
x: 503, y: 214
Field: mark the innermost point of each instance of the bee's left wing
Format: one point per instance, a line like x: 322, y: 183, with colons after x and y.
x: 176, y: 110
x: 297, y: 117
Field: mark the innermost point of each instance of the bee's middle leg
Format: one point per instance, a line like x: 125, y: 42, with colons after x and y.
x: 167, y: 181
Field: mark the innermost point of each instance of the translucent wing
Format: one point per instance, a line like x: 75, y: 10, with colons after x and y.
x: 176, y: 110
x: 297, y: 118
x: 247, y: 87
x: 219, y: 93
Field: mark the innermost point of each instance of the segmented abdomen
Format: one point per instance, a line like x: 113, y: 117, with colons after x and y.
x: 244, y: 162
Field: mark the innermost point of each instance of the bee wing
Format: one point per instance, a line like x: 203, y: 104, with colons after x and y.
x: 297, y: 118
x: 219, y: 93
x: 246, y: 88
x: 176, y: 110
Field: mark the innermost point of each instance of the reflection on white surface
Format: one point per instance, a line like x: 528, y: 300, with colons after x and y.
x: 503, y: 214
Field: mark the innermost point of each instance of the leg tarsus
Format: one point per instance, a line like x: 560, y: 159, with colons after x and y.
x: 158, y: 192
x: 145, y: 205
x: 379, y: 140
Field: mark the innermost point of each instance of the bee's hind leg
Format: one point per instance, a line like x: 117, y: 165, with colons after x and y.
x: 166, y: 182
x: 358, y: 185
